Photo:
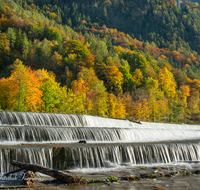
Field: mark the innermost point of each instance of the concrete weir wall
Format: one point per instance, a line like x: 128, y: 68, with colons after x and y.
x: 52, y: 140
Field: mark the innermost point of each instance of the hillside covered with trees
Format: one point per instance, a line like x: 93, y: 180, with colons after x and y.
x: 101, y: 58
x: 153, y: 21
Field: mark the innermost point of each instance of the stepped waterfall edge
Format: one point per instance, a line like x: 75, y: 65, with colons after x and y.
x: 52, y: 140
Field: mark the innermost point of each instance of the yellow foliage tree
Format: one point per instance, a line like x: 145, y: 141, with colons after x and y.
x: 167, y: 82
x: 128, y: 102
x: 70, y: 104
x: 99, y: 97
x: 89, y: 76
x: 80, y: 90
x: 193, y: 104
x: 185, y: 92
x: 114, y: 79
x: 29, y: 93
x: 137, y: 78
x: 116, y: 108
x: 9, y: 94
x: 51, y: 91
x: 141, y: 111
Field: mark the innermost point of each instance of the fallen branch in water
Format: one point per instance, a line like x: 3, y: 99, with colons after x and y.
x: 59, y: 175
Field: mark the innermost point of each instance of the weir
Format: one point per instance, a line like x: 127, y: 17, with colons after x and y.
x: 52, y: 140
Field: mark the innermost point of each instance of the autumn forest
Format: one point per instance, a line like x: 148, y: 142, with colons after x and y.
x: 131, y: 59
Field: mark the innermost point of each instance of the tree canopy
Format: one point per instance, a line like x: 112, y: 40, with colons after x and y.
x: 127, y: 59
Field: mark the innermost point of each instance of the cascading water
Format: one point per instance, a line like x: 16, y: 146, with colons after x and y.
x: 42, y: 156
x: 80, y: 157
x: 52, y: 140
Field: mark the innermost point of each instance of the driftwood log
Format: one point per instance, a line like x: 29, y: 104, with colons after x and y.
x: 18, y: 170
x: 59, y: 175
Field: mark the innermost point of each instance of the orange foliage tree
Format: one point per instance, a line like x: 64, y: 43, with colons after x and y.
x: 80, y: 90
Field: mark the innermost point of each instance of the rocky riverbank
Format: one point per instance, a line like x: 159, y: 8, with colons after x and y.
x: 185, y: 176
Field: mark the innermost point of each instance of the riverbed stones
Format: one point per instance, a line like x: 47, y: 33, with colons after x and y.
x: 131, y: 178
